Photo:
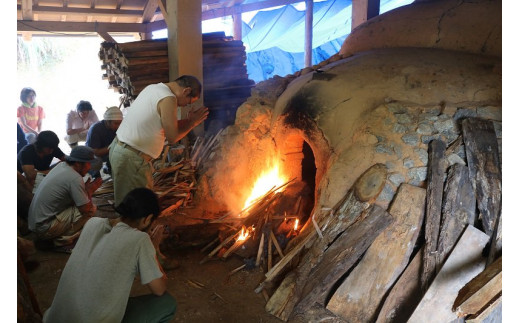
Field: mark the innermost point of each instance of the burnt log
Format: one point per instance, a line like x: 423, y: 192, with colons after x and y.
x: 484, y: 169
x: 457, y: 212
x: 434, y: 190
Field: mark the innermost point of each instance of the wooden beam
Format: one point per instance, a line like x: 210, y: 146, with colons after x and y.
x: 362, y: 10
x: 27, y: 10
x: 85, y: 11
x: 149, y: 10
x: 52, y: 26
x: 309, y: 5
x: 229, y: 11
x: 106, y: 36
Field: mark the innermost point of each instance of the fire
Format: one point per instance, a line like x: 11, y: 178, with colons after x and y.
x: 296, y: 224
x: 244, y: 234
x: 264, y: 183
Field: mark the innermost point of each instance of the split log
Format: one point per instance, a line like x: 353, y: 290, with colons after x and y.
x: 341, y: 256
x: 368, y: 186
x: 491, y: 314
x: 480, y: 291
x: 360, y: 296
x: 464, y: 263
x: 484, y: 168
x: 436, y: 169
x: 457, y: 212
x: 405, y: 294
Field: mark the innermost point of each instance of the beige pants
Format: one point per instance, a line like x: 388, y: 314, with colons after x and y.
x: 65, y: 228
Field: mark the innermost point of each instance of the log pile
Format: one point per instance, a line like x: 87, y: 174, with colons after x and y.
x: 365, y: 264
x: 130, y: 67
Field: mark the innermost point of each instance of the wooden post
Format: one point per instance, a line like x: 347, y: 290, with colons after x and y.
x: 237, y: 26
x: 309, y: 5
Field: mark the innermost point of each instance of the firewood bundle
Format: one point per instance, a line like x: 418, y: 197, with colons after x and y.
x: 130, y: 67
x: 259, y: 222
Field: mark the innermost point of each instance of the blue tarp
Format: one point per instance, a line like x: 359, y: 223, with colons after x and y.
x: 275, y: 39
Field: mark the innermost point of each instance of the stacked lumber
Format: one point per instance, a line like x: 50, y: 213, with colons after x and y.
x: 130, y: 67
x: 364, y: 264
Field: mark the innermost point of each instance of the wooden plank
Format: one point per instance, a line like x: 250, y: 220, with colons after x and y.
x: 480, y: 291
x: 405, y: 294
x: 360, y: 295
x: 464, y: 263
x: 484, y: 168
x: 435, y: 178
x: 341, y: 256
x: 458, y: 210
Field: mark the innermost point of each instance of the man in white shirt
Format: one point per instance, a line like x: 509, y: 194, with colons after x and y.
x: 151, y: 119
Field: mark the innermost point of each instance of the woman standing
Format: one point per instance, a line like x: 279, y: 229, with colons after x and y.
x: 78, y: 123
x: 30, y: 114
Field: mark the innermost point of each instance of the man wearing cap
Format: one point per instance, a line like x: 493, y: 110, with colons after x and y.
x: 151, y: 119
x: 102, y: 133
x: 62, y: 202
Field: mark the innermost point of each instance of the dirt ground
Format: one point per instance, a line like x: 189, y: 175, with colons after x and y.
x: 204, y: 292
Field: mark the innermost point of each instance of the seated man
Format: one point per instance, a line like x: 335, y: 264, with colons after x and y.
x: 101, y: 134
x: 96, y: 281
x: 36, y: 158
x: 62, y: 202
x: 79, y: 121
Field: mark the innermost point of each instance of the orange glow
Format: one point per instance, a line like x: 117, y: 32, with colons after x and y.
x: 244, y: 234
x: 296, y: 224
x: 264, y: 183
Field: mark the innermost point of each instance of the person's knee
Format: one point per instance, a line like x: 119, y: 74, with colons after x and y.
x: 169, y: 303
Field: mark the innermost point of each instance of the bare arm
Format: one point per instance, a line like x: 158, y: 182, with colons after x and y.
x: 175, y: 130
x: 23, y: 122
x: 30, y: 174
x: 158, y: 286
x: 88, y: 209
x: 100, y: 152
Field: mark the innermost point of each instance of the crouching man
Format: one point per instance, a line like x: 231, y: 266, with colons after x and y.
x: 96, y: 281
x: 62, y: 202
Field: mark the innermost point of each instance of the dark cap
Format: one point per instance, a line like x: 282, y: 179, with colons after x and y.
x: 81, y: 154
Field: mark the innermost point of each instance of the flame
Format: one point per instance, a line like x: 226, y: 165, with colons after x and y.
x: 264, y: 183
x: 244, y: 234
x: 296, y: 224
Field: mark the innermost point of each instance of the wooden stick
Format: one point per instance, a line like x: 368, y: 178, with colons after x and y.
x: 211, y: 254
x: 275, y: 242
x: 234, y: 248
x: 209, y: 245
x: 269, y: 253
x: 260, y: 250
x: 237, y: 269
